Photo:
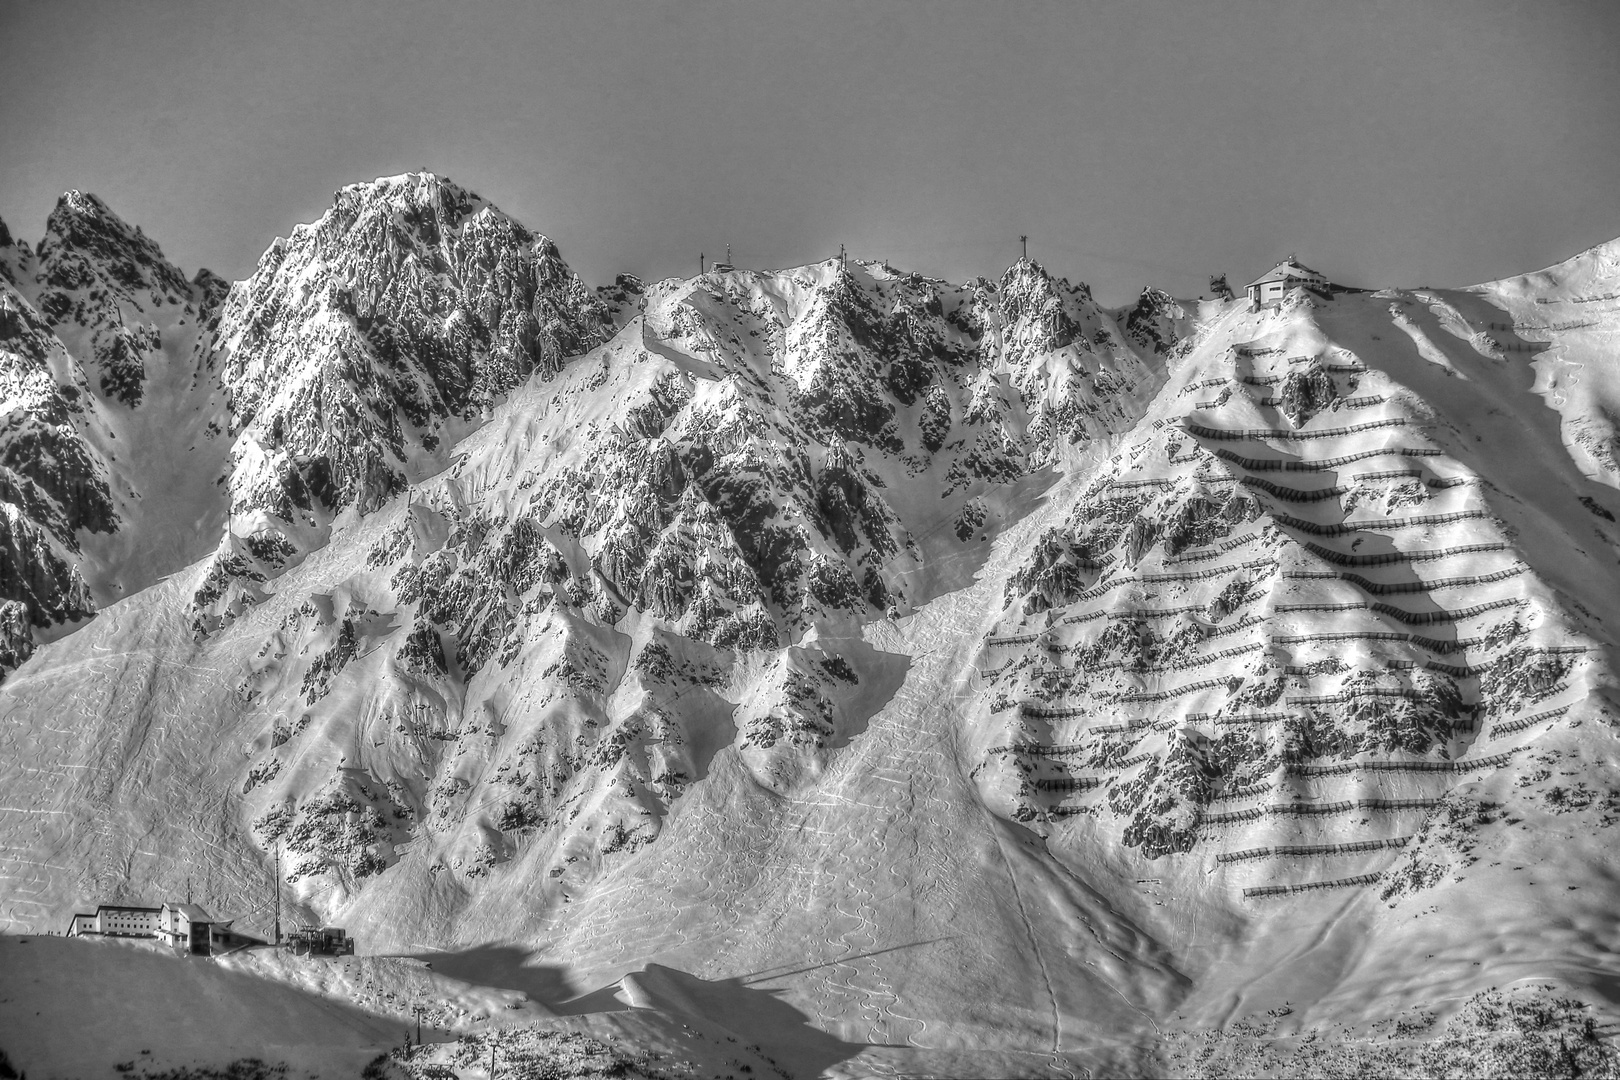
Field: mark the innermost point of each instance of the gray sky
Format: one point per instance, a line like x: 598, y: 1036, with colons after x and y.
x: 1404, y: 143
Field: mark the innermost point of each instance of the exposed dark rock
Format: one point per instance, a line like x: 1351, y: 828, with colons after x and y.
x: 1166, y: 820
x: 1152, y: 322
x: 1305, y: 393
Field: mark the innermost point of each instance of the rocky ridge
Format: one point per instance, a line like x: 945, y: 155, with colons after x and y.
x: 786, y: 455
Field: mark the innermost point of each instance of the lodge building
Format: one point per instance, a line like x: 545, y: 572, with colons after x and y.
x: 117, y: 920
x: 188, y: 928
x: 184, y: 927
x: 1273, y: 285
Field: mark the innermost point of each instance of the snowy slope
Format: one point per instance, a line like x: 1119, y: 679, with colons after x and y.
x: 1311, y: 650
x: 74, y: 1007
x: 1562, y: 321
x: 975, y: 668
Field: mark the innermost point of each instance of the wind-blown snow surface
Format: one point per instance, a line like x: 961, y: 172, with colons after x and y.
x: 1000, y: 680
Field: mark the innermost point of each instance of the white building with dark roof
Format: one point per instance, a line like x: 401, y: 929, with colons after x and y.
x: 1270, y: 287
x: 116, y: 920
x: 186, y: 927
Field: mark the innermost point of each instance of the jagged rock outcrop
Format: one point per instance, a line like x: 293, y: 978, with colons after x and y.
x: 47, y: 468
x: 93, y: 273
x: 1067, y: 356
x: 365, y: 340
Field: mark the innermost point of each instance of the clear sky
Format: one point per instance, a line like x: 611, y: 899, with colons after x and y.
x: 1385, y: 143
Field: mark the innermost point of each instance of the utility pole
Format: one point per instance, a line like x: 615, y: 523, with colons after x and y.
x: 418, y: 1009
x: 1024, y: 240
x: 840, y: 256
x: 492, y: 1056
x: 278, y: 894
x: 701, y: 268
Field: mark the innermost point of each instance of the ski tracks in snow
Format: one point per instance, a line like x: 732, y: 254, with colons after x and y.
x: 891, y: 776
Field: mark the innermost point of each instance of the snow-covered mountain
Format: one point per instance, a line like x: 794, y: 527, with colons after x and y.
x: 363, y: 347
x: 108, y: 402
x: 985, y: 670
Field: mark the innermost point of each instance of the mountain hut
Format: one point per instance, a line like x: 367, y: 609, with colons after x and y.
x: 1270, y: 287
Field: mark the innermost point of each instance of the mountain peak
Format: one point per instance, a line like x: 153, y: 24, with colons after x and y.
x: 414, y: 194
x: 401, y: 316
x: 1028, y: 281
x: 83, y: 218
x: 420, y: 184
x: 80, y: 202
x: 84, y: 239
